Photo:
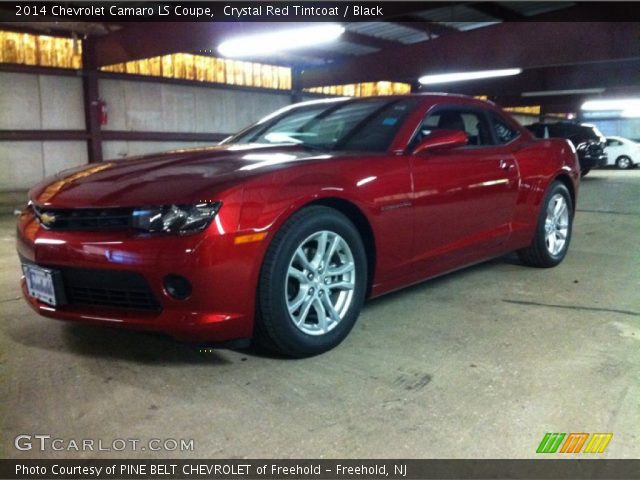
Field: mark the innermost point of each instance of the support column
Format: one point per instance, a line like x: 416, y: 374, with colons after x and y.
x: 296, y: 84
x: 91, y: 101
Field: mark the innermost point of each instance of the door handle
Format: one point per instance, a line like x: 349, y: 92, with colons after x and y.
x: 506, y: 165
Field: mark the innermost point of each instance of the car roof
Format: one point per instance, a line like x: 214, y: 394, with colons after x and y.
x: 425, y: 96
x: 564, y: 123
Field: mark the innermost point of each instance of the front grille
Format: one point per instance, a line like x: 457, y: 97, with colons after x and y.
x: 83, y: 218
x: 594, y: 149
x: 105, y: 288
x: 589, y: 150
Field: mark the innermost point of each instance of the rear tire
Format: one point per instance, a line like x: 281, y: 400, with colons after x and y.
x: 553, y: 231
x: 312, y: 283
x: 623, y: 162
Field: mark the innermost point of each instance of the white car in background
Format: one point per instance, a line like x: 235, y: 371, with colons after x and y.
x: 622, y: 152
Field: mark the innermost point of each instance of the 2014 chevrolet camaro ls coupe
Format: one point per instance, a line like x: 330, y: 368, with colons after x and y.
x: 281, y: 232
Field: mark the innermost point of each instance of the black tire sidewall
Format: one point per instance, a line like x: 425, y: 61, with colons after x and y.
x: 272, y: 304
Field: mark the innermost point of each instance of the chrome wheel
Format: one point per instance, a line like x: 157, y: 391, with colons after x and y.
x: 320, y: 283
x: 556, y: 225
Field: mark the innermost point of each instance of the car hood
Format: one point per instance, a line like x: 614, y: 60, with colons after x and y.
x: 180, y: 176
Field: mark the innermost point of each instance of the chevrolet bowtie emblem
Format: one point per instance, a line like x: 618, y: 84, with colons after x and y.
x: 47, y: 218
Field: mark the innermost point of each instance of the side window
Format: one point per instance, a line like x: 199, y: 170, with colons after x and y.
x: 613, y: 143
x: 473, y: 123
x: 504, y: 133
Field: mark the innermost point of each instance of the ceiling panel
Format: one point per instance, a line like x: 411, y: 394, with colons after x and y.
x: 389, y: 31
x: 536, y: 8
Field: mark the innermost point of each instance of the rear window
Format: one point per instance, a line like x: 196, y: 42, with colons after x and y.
x: 504, y: 132
x: 595, y: 130
x: 559, y: 131
x: 575, y: 132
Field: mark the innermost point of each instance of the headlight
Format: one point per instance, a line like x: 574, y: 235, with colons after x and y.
x: 175, y: 218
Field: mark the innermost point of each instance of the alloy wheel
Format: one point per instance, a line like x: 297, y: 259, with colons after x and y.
x: 556, y: 225
x: 320, y: 283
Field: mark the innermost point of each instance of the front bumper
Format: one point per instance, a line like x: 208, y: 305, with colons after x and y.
x: 593, y: 161
x: 223, y: 275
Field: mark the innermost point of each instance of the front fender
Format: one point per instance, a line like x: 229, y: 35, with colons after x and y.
x: 267, y: 207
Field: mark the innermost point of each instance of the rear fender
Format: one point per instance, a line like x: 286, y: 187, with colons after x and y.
x: 541, y: 162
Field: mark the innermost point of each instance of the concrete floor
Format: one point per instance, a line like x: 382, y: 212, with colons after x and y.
x: 480, y: 363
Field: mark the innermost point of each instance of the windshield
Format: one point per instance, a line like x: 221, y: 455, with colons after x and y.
x: 363, y: 125
x: 596, y: 131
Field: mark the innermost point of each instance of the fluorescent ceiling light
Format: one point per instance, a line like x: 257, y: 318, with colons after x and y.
x: 463, y: 76
x: 631, y: 113
x: 550, y: 93
x: 295, y: 38
x: 612, y: 104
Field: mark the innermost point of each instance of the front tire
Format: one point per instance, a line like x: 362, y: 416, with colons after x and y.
x: 623, y: 162
x: 553, y: 231
x: 312, y: 283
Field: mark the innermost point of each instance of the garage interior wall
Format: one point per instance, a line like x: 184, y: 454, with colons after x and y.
x: 621, y: 127
x: 158, y: 107
x: 50, y: 102
x: 36, y: 101
x: 39, y: 102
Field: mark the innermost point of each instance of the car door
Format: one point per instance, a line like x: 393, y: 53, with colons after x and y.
x: 614, y: 150
x: 464, y: 197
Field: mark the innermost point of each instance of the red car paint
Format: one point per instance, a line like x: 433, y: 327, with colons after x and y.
x: 421, y: 215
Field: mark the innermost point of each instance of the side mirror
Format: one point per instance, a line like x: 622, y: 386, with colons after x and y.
x: 439, y: 139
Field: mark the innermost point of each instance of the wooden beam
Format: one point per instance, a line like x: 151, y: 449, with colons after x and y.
x: 43, y: 135
x: 152, y: 39
x: 163, y: 136
x: 147, y: 40
x: 188, y: 83
x: 34, y: 69
x: 109, y: 135
x: 547, y: 44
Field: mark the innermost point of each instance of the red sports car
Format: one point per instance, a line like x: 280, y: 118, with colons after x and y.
x: 280, y: 233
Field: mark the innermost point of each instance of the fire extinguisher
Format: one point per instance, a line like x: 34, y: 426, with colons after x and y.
x: 103, y: 113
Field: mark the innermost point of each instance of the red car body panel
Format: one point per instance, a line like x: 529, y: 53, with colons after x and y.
x: 420, y: 215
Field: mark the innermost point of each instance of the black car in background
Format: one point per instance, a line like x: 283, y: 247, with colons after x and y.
x: 587, y: 139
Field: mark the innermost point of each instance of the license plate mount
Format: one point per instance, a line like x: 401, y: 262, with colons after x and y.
x: 44, y: 284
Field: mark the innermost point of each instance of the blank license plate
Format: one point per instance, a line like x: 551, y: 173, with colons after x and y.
x: 40, y: 283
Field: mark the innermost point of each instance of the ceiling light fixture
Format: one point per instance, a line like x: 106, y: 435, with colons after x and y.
x: 631, y: 113
x: 551, y: 93
x: 296, y: 38
x: 464, y: 76
x: 612, y: 104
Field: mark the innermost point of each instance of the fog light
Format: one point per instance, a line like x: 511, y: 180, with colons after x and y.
x: 178, y: 287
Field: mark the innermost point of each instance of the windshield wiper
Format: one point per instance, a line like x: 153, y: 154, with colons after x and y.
x: 315, y: 148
